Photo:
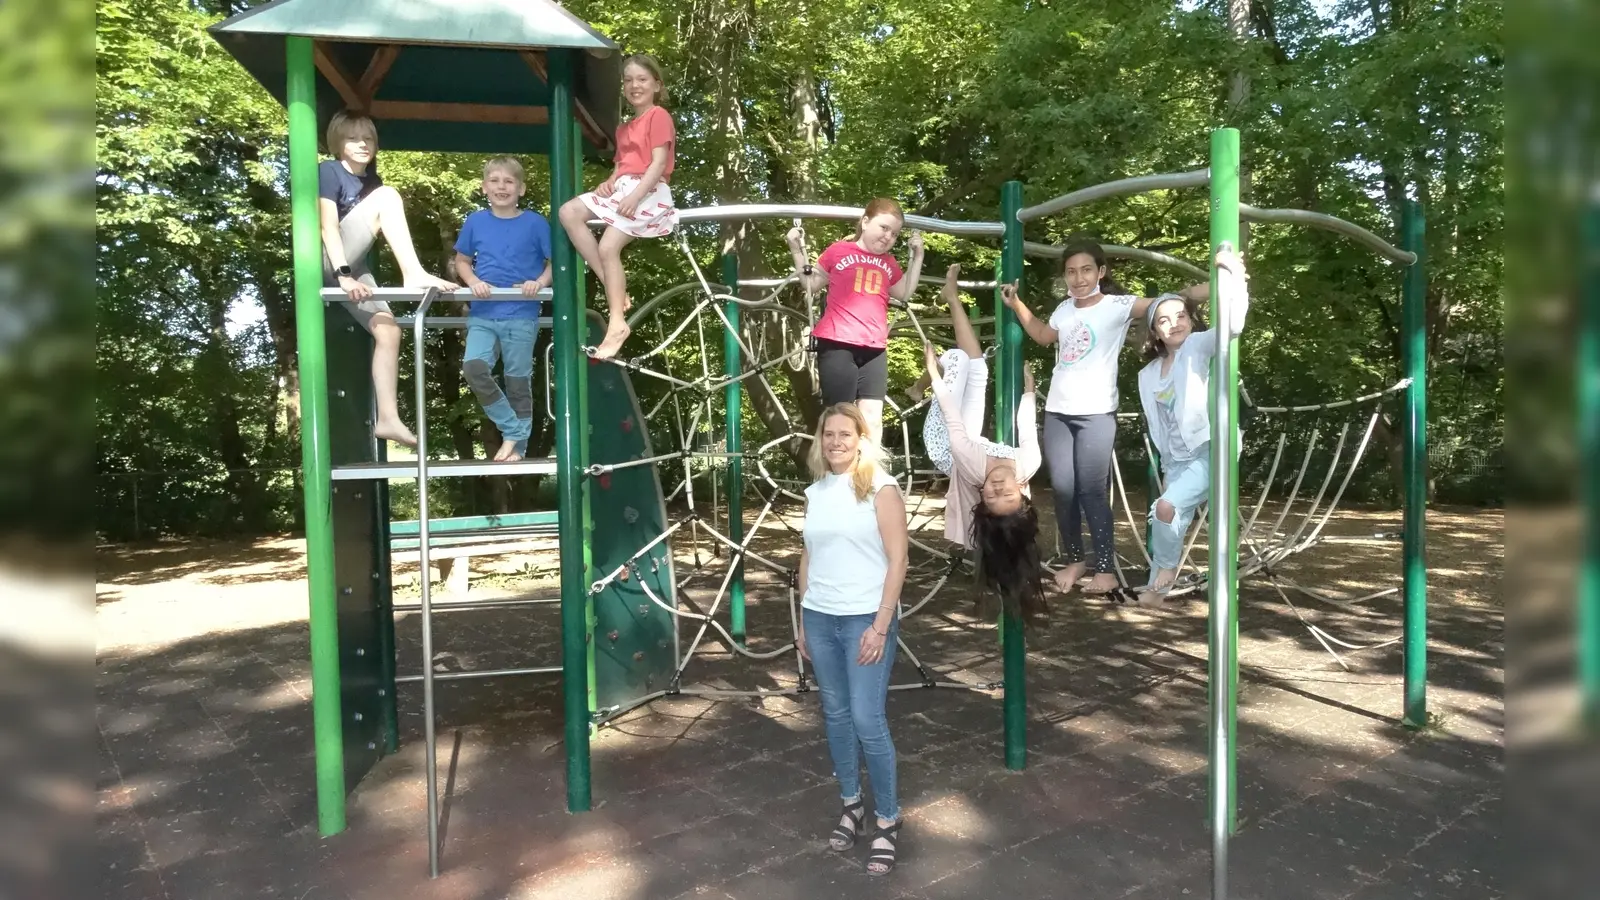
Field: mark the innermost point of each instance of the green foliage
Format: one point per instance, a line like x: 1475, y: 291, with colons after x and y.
x: 936, y: 104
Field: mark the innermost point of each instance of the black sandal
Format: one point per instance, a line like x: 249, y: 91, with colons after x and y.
x: 885, y: 857
x: 855, y: 812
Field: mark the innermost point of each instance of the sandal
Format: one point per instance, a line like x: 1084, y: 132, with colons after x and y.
x: 842, y: 838
x: 885, y: 857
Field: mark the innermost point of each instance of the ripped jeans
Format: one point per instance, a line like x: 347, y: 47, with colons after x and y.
x: 511, y: 341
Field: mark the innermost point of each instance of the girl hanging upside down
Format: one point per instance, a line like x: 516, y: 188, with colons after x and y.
x: 987, y: 507
x: 1173, y: 389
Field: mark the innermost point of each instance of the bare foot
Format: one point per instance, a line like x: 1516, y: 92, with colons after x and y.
x: 616, y: 333
x: 507, y: 451
x: 1155, y: 593
x: 1066, y: 579
x: 1102, y: 583
x: 394, y: 431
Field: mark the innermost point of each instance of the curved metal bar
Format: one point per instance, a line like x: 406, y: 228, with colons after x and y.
x: 1136, y: 185
x: 1329, y: 223
x: 728, y: 211
x: 925, y: 279
x: 1034, y: 248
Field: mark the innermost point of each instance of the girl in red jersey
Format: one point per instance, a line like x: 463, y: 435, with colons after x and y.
x: 861, y: 276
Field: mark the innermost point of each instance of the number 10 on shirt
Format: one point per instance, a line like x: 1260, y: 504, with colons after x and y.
x: 868, y: 281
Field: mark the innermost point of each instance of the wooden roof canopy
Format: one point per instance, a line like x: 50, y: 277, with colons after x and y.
x: 438, y: 75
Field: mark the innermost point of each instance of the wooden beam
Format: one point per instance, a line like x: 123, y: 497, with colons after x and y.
x: 353, y: 99
x: 461, y: 112
x: 591, y: 128
x: 376, y: 70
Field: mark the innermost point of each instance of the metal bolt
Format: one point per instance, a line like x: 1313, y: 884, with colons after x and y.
x: 347, y: 591
x: 361, y: 651
x: 339, y: 392
x: 637, y: 657
x: 358, y: 717
x: 372, y: 745
x: 383, y: 692
x: 644, y: 609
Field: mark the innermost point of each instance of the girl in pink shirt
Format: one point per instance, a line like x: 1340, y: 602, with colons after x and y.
x: 635, y: 201
x: 987, y: 507
x: 861, y: 277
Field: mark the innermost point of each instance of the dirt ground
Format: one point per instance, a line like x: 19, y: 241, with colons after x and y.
x: 206, y: 787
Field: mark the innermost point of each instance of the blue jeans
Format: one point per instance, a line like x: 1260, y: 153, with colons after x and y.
x: 510, y: 340
x: 1188, y: 485
x: 853, y: 699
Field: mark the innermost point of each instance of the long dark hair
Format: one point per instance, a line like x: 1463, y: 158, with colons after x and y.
x: 1082, y: 243
x: 1154, y: 347
x: 1009, y: 566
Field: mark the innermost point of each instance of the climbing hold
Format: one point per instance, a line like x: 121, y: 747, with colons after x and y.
x: 614, y: 635
x: 605, y: 481
x: 623, y: 575
x: 630, y: 515
x: 638, y: 656
x: 627, y: 425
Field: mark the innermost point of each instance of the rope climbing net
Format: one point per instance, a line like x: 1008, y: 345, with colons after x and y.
x: 771, y: 337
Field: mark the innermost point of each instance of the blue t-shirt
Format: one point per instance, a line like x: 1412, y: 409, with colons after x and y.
x: 505, y: 253
x: 345, y: 189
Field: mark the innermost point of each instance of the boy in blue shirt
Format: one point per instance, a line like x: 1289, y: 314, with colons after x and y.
x: 504, y: 247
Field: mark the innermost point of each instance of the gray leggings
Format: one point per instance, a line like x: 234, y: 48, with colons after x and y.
x: 1078, y: 451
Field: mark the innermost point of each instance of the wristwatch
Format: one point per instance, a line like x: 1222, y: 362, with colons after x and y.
x: 344, y: 271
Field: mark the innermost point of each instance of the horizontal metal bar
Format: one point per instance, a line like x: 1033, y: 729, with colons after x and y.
x: 734, y: 211
x: 1328, y: 223
x: 414, y: 295
x: 455, y: 321
x: 487, y: 673
x: 492, y: 522
x: 1117, y: 251
x: 1136, y: 185
x: 519, y: 535
x: 478, y: 604
x: 443, y: 468
x: 925, y: 279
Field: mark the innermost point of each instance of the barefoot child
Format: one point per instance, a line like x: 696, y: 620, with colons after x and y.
x: 1088, y: 329
x: 635, y: 202
x: 988, y: 506
x: 852, y: 337
x: 355, y: 206
x: 506, y: 247
x: 1173, y: 389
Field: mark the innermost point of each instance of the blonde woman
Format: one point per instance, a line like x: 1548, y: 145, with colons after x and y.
x: 851, y: 572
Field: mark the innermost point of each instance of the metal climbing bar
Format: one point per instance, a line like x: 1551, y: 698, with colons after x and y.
x: 1136, y: 185
x: 1117, y: 251
x: 736, y: 211
x: 1223, y: 662
x: 1329, y: 223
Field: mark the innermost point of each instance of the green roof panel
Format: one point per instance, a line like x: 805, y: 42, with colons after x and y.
x: 448, y: 53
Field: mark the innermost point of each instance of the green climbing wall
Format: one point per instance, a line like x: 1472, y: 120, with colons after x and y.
x: 634, y: 638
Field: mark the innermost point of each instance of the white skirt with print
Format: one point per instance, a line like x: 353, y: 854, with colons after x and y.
x: 655, y: 217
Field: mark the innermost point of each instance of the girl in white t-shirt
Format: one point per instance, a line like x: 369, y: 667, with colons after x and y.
x: 1080, y: 425
x: 851, y: 572
x: 1173, y: 389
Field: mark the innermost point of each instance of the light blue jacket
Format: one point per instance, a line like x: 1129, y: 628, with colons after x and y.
x: 1191, y: 373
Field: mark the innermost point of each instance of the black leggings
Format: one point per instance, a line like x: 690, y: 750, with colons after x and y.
x: 1078, y: 449
x: 849, y: 373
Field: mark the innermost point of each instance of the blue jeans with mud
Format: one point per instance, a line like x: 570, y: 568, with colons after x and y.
x: 510, y: 342
x: 853, y: 705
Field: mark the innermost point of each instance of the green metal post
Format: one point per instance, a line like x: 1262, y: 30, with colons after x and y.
x: 732, y: 399
x: 1223, y: 578
x: 579, y: 291
x: 1008, y: 384
x: 1152, y: 482
x: 1413, y: 314
x: 571, y: 423
x: 1589, y: 434
x: 315, y: 447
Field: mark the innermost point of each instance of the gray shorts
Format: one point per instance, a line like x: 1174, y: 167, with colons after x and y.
x: 355, y: 231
